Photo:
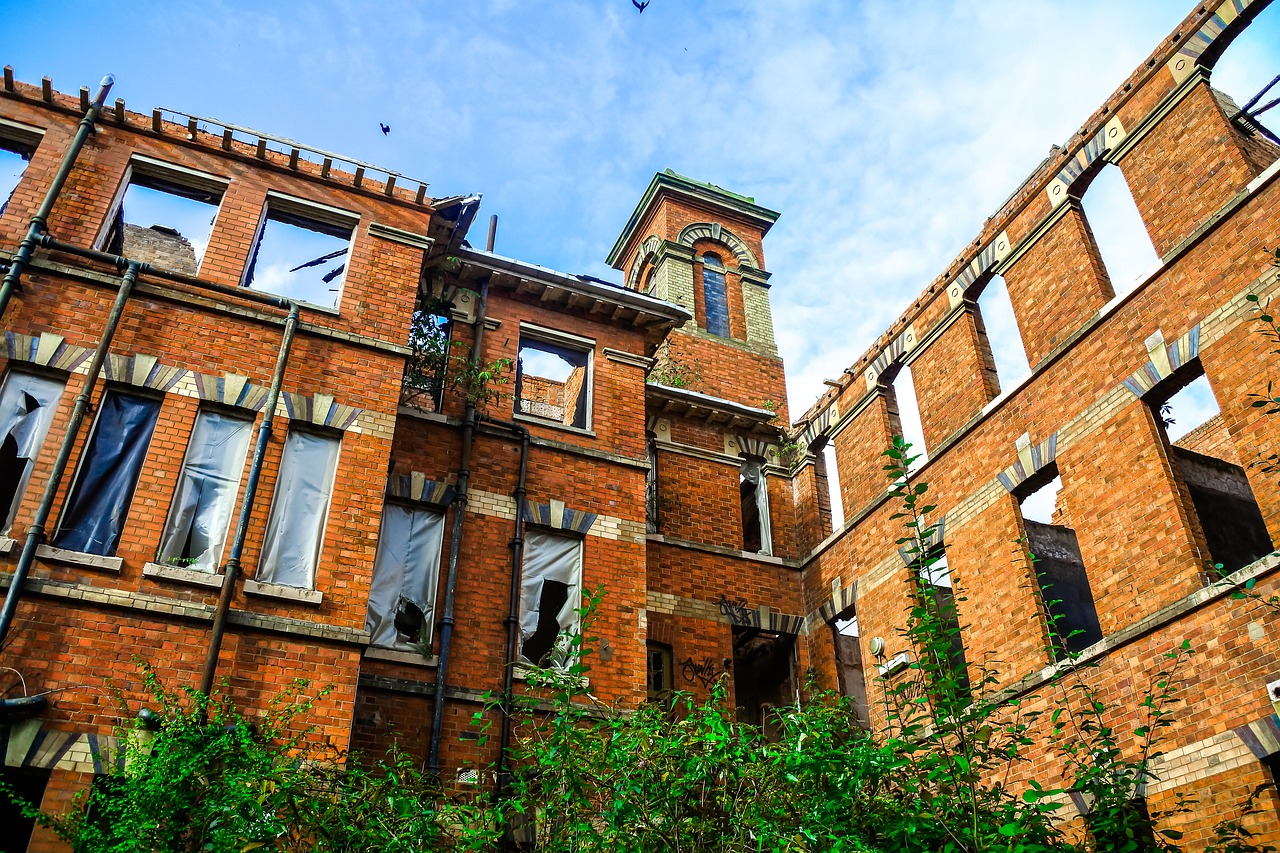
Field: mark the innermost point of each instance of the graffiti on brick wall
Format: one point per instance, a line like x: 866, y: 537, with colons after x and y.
x: 703, y: 672
x: 736, y: 610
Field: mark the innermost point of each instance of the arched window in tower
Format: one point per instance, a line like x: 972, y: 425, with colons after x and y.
x: 715, y: 295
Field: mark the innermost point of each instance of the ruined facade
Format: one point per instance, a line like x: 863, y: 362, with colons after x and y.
x: 414, y: 540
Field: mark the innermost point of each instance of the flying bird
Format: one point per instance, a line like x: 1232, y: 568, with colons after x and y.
x: 639, y: 5
x: 387, y: 129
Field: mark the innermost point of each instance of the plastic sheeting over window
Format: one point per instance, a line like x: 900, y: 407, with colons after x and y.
x: 27, y: 404
x: 109, y: 467
x: 402, y: 596
x: 757, y: 535
x: 550, y: 595
x: 298, y: 510
x: 206, y: 493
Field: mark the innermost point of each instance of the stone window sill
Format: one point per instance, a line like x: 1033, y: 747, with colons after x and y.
x: 550, y: 424
x: 177, y: 574
x: 8, y: 545
x: 79, y: 558
x: 283, y: 593
x: 413, y: 658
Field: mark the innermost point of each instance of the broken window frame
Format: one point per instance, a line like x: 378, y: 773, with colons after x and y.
x: 551, y: 340
x: 651, y: 486
x: 856, y: 693
x: 312, y: 216
x: 751, y: 474
x: 204, y: 499
x: 94, y: 515
x: 659, y: 670
x: 20, y: 139
x: 296, y: 475
x: 715, y: 279
x: 411, y: 581
x: 560, y: 554
x: 169, y: 178
x: 31, y: 433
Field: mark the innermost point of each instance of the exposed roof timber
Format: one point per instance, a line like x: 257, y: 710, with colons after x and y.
x: 715, y: 411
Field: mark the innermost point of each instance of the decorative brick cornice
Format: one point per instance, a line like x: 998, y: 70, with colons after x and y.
x: 557, y: 516
x: 142, y: 371
x: 230, y: 389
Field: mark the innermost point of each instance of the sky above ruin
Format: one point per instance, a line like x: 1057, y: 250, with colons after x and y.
x: 884, y: 133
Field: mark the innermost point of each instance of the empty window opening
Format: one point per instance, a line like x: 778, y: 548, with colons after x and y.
x: 935, y: 584
x: 904, y: 415
x: 553, y: 382
x: 753, y: 489
x: 1118, y: 229
x: 27, y: 404
x: 14, y: 157
x: 764, y: 675
x: 295, y: 529
x: 98, y: 505
x: 28, y: 785
x: 301, y: 253
x: 1243, y: 73
x: 428, y: 366
x: 164, y: 222
x: 550, y: 598
x: 658, y: 670
x: 1059, y: 567
x: 402, y: 595
x: 206, y: 495
x: 1206, y: 461
x: 833, y: 484
x: 651, y: 488
x: 852, y: 679
x: 1003, y: 337
x: 715, y: 295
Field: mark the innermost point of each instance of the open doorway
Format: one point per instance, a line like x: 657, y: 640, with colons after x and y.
x: 764, y: 665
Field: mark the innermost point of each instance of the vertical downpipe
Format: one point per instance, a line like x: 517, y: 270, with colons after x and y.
x: 232, y: 570
x: 36, y: 532
x: 40, y: 222
x: 455, y: 542
x: 512, y: 621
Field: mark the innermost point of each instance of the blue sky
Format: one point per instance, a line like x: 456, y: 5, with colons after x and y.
x: 884, y: 133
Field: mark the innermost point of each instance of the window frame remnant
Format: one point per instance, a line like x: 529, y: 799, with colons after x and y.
x: 205, y: 497
x: 311, y: 216
x: 27, y: 426
x: 406, y: 574
x: 850, y: 673
x: 556, y: 557
x: 659, y: 669
x: 715, y: 280
x: 97, y: 505
x: 651, y: 522
x: 300, y: 506
x: 170, y: 179
x: 753, y: 493
x: 566, y: 347
x: 22, y: 140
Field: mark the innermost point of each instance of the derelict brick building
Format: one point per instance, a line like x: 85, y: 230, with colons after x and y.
x: 365, y: 541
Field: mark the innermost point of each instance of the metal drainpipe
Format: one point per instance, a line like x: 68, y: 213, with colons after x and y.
x: 513, y: 605
x: 40, y: 222
x: 455, y: 543
x: 35, y: 533
x: 232, y: 569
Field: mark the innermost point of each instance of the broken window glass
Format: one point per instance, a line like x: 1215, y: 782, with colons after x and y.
x: 300, y: 256
x: 14, y: 157
x: 658, y: 669
x: 27, y: 404
x: 757, y: 537
x: 402, y: 595
x: 715, y: 295
x: 110, y: 464
x: 163, y: 222
x: 553, y: 382
x: 206, y: 494
x: 550, y: 595
x: 295, y: 529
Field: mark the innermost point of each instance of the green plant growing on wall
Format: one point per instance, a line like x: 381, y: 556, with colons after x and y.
x: 436, y: 362
x: 671, y: 370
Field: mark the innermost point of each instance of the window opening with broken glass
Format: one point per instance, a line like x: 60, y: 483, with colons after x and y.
x: 207, y: 485
x: 98, y: 504
x: 757, y: 536
x: 659, y: 678
x: 299, y: 508
x: 550, y: 597
x: 163, y: 222
x: 402, y: 595
x: 300, y: 255
x: 553, y: 382
x: 27, y: 404
x: 14, y: 157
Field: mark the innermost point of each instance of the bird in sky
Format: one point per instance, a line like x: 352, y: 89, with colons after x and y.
x: 386, y: 129
x: 639, y: 5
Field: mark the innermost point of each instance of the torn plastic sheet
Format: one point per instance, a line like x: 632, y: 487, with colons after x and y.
x: 753, y: 476
x: 298, y: 510
x: 206, y: 493
x: 27, y: 404
x: 110, y: 464
x: 550, y: 592
x: 405, y: 572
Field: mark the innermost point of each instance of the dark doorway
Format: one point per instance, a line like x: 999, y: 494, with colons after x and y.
x: 763, y: 673
x: 28, y: 783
